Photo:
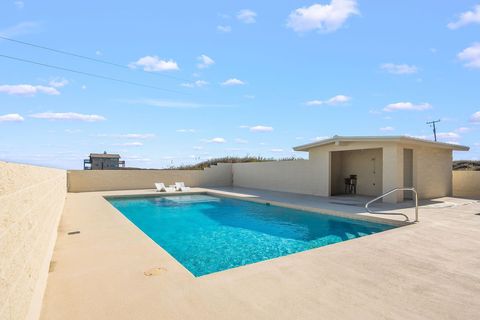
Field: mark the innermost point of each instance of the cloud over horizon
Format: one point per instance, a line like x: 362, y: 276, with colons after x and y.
x: 471, y: 56
x: 11, y: 117
x: 466, y: 18
x: 68, y: 116
x: 233, y: 82
x: 324, y: 18
x: 335, y: 100
x: 407, y: 106
x: 399, y: 68
x: 154, y: 64
x: 247, y: 16
x: 27, y: 90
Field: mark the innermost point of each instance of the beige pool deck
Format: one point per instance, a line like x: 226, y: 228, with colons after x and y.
x: 111, y: 270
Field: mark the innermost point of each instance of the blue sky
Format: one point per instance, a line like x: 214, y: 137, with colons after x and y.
x: 233, y: 78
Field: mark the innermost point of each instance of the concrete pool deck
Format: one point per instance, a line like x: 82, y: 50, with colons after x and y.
x: 111, y: 270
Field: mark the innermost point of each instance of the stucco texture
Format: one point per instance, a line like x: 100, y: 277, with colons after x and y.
x: 108, y: 180
x: 466, y: 184
x: 32, y: 200
x: 380, y: 167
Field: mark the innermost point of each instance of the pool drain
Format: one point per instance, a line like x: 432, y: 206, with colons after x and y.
x: 154, y: 271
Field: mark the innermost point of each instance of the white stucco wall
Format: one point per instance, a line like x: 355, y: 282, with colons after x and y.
x: 32, y: 200
x: 432, y: 172
x: 105, y: 180
x: 288, y: 176
x: 466, y: 184
x: 367, y: 164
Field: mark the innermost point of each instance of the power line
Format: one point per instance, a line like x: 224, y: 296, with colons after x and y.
x: 76, y: 55
x: 94, y: 75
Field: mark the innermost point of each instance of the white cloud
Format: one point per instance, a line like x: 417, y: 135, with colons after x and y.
x: 320, y: 138
x: 385, y: 129
x: 217, y: 140
x: 174, y: 104
x: 241, y: 141
x: 11, y: 117
x: 276, y: 150
x: 198, y: 83
x: 448, y: 135
x: 58, y: 83
x: 186, y: 130
x: 471, y: 56
x: 137, y: 159
x: 19, y: 4
x: 338, y: 99
x: 204, y: 61
x: 224, y: 29
x: 475, y: 117
x: 233, y: 82
x: 198, y: 148
x: 466, y: 18
x: 72, y: 131
x: 154, y: 64
x: 462, y: 129
x: 324, y: 18
x: 21, y: 28
x: 247, y: 16
x: 129, y: 135
x: 407, y: 106
x: 68, y: 116
x: 399, y: 68
x: 27, y: 90
x: 138, y: 135
x: 261, y: 129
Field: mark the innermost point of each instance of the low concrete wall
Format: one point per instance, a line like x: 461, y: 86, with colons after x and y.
x: 289, y: 176
x: 107, y: 180
x: 32, y: 200
x: 466, y: 184
x: 432, y: 172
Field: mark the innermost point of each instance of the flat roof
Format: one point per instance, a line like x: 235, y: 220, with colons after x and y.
x: 104, y: 155
x: 401, y: 139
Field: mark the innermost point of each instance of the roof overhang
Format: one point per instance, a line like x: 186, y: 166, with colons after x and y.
x: 104, y: 155
x: 341, y: 140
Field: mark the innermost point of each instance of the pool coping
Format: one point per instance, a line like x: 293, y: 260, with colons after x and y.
x: 339, y: 214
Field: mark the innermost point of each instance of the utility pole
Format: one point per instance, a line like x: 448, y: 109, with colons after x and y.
x: 432, y: 124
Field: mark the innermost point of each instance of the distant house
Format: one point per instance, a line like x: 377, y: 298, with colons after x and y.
x: 103, y: 161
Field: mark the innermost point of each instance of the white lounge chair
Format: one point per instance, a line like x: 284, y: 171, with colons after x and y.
x: 180, y: 186
x: 162, y: 188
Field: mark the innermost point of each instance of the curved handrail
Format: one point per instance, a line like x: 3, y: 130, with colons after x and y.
x: 395, y: 213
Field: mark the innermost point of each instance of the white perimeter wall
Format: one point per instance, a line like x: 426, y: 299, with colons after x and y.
x: 466, y: 184
x: 295, y: 176
x: 432, y: 172
x: 31, y: 203
x: 107, y: 180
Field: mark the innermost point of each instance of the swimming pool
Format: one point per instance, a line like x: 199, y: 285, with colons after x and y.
x: 207, y: 234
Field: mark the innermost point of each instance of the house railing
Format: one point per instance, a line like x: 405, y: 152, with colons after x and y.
x: 395, y: 213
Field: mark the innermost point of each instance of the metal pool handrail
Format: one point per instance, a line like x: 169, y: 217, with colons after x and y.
x: 395, y: 213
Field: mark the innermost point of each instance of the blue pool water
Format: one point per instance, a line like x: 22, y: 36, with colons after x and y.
x: 208, y: 234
